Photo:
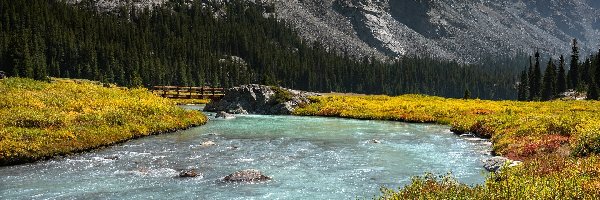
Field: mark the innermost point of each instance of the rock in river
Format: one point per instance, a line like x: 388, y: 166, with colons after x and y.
x: 224, y: 115
x: 247, y: 175
x: 260, y: 99
x: 208, y: 143
x: 188, y: 173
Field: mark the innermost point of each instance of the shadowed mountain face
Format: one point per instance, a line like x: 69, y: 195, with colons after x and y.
x: 464, y: 30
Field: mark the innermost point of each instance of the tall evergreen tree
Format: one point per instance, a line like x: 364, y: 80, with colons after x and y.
x: 523, y: 88
x: 530, y: 77
x: 535, y: 89
x: 597, y: 70
x: 592, y: 92
x: 593, y: 86
x: 561, y: 82
x: 586, y: 74
x: 467, y: 94
x: 549, y: 87
x: 574, y: 73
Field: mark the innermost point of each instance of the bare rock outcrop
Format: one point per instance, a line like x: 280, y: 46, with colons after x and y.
x: 260, y: 99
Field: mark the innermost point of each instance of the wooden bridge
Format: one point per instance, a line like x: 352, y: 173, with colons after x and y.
x: 183, y: 92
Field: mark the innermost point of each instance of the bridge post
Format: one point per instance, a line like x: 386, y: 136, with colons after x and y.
x: 202, y: 92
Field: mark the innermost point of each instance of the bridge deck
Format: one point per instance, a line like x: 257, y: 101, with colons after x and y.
x: 184, y: 92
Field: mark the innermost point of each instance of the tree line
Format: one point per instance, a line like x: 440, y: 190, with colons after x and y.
x: 220, y: 44
x: 581, y: 76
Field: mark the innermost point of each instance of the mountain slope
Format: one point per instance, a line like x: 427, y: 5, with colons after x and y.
x: 464, y: 30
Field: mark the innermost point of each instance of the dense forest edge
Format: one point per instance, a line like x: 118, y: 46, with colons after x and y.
x: 41, y: 120
x: 218, y: 44
x: 580, y: 81
x: 557, y: 142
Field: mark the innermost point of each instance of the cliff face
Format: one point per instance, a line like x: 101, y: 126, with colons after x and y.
x: 452, y: 29
x: 463, y: 30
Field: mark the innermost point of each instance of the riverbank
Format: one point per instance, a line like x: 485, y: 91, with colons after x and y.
x: 41, y: 120
x: 557, y: 142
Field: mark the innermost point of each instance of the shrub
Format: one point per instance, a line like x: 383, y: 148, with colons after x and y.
x: 281, y: 95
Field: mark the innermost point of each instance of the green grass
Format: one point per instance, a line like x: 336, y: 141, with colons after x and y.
x: 557, y: 141
x: 40, y: 120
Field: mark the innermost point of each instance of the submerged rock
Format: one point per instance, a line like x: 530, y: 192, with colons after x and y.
x: 247, y: 175
x: 188, y: 173
x: 260, y: 99
x: 111, y: 157
x: 495, y: 164
x: 208, y: 143
x: 224, y: 115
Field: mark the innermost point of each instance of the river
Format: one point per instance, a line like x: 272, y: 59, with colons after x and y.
x: 308, y: 158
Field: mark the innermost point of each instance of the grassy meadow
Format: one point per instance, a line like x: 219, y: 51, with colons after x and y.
x: 39, y: 119
x: 557, y: 141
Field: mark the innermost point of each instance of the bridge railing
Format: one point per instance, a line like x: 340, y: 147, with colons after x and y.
x: 184, y: 92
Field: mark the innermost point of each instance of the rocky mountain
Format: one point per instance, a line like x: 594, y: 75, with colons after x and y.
x: 463, y: 30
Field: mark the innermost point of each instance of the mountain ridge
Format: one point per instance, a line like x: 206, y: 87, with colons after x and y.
x: 451, y: 29
x: 461, y: 30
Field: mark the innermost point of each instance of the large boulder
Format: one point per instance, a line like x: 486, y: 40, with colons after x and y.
x: 260, y: 99
x: 496, y: 163
x: 247, y: 175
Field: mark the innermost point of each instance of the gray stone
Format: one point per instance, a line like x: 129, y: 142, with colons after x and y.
x: 238, y: 111
x: 208, y: 143
x: 111, y: 157
x: 259, y: 99
x: 247, y: 175
x: 224, y: 115
x: 495, y: 164
x: 188, y: 173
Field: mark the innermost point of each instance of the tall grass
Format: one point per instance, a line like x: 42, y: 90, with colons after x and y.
x: 40, y: 120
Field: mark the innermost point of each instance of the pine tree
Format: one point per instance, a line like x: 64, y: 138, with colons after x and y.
x: 549, y: 87
x: 574, y: 73
x: 523, y: 87
x: 592, y: 93
x: 535, y: 89
x: 530, y: 77
x: 586, y: 74
x: 467, y: 94
x: 597, y: 72
x: 561, y: 82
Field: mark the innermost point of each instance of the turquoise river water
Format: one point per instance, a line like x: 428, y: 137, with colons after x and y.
x: 308, y: 158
